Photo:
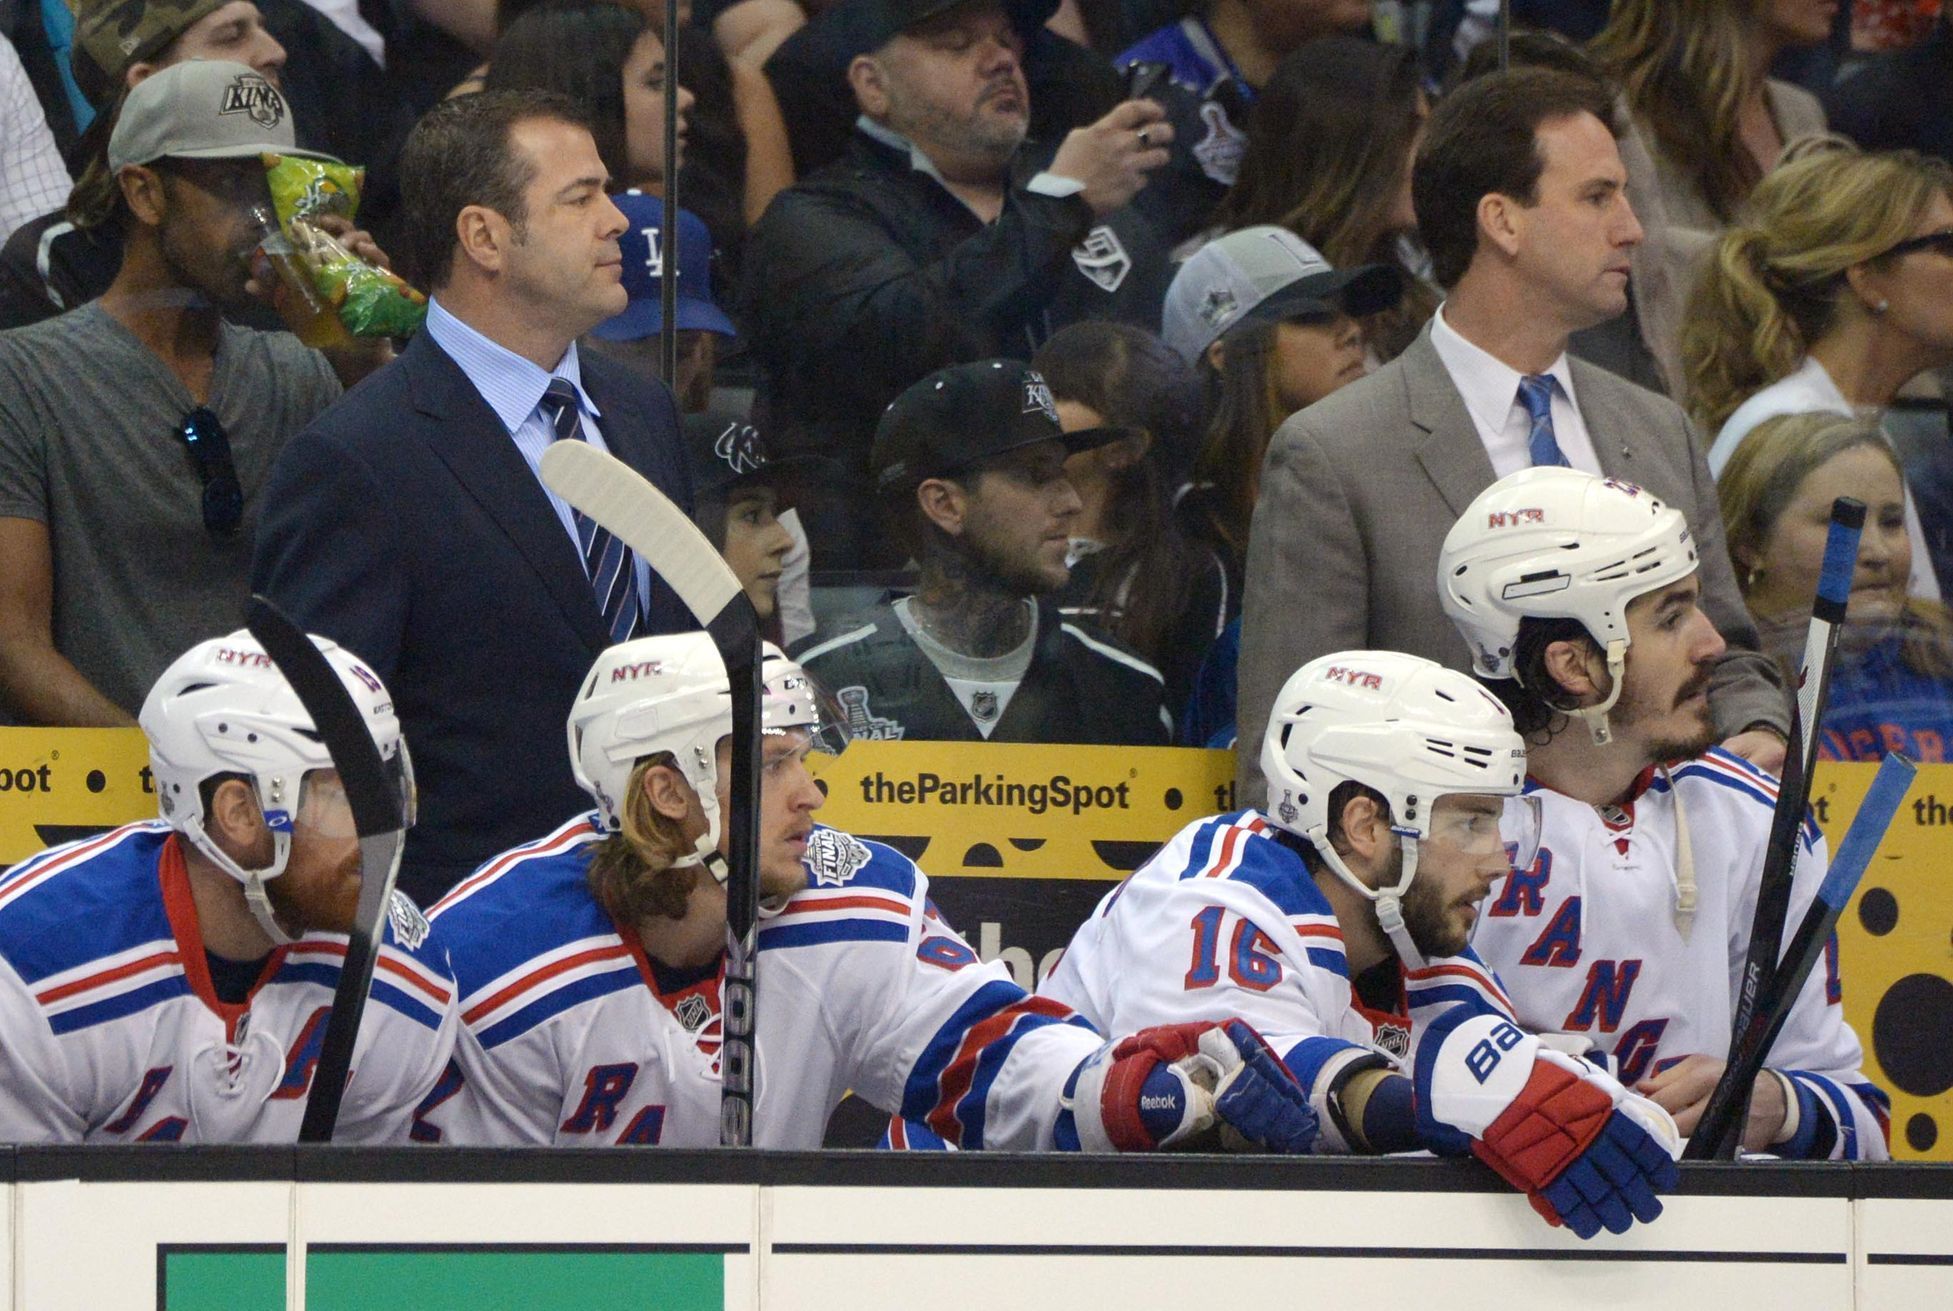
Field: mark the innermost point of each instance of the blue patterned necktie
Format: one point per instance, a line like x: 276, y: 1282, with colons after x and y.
x: 609, y: 563
x: 1536, y: 394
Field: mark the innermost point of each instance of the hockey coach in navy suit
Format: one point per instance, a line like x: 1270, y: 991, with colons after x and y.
x: 408, y: 522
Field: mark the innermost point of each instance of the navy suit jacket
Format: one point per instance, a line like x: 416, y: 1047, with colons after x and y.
x: 404, y: 525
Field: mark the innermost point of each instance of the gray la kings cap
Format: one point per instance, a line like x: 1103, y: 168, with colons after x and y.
x: 203, y: 109
x: 1265, y: 274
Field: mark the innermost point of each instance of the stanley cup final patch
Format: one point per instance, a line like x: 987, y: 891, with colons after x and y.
x: 833, y: 857
x: 409, y: 925
x: 1219, y: 152
x: 1102, y: 258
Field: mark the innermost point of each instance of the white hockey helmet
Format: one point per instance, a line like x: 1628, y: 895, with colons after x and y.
x: 1400, y: 724
x: 1558, y: 543
x: 223, y: 707
x: 670, y: 693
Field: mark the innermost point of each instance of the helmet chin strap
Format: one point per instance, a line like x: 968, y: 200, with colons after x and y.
x: 1389, y: 901
x: 255, y: 897
x: 704, y: 778
x: 1595, y: 717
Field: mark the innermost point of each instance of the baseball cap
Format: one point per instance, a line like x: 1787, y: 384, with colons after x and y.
x: 879, y: 21
x: 1265, y: 274
x: 203, y: 109
x: 965, y: 414
x: 643, y: 263
x: 726, y: 451
x: 110, y: 35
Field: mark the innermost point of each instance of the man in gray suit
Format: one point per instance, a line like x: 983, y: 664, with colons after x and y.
x: 1519, y: 195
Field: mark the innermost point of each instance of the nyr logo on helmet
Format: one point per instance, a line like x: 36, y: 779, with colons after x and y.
x: 739, y: 447
x: 636, y: 670
x: 368, y: 679
x: 227, y: 655
x: 1620, y: 485
x: 1514, y: 518
x: 833, y: 857
x: 1355, y: 677
x: 251, y: 95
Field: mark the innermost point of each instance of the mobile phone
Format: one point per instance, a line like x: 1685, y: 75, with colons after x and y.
x: 1144, y: 77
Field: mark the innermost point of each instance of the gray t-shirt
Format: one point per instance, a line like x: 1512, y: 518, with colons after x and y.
x: 91, y: 446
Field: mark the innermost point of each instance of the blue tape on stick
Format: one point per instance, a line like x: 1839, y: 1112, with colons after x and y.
x: 1840, y: 557
x: 1867, y: 829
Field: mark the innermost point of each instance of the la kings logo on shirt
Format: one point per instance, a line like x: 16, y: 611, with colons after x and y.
x: 1102, y: 258
x: 833, y: 857
x: 409, y: 925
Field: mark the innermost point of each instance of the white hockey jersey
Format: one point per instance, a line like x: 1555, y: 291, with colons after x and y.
x: 1590, y: 941
x: 110, y: 1030
x: 568, y: 1039
x: 1226, y: 920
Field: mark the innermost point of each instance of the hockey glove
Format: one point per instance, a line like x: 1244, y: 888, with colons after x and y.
x: 1586, y: 1152
x: 1164, y: 1085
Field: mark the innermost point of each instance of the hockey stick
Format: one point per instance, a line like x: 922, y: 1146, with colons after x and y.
x: 1721, y: 1115
x: 622, y: 500
x: 1854, y: 856
x: 377, y: 819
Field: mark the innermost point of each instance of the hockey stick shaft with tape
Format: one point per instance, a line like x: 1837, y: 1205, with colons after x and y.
x: 377, y: 819
x: 1719, y: 1131
x: 1854, y: 856
x: 630, y: 506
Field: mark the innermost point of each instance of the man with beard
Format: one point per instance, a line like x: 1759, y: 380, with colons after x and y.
x: 137, y: 431
x: 970, y: 463
x: 936, y: 240
x: 170, y: 980
x: 1580, y: 598
x: 1336, y: 923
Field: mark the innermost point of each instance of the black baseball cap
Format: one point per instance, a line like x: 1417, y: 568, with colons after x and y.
x: 965, y: 414
x: 878, y: 22
x: 725, y: 452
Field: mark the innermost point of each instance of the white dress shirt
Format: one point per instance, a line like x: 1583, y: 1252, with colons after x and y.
x: 1490, y: 388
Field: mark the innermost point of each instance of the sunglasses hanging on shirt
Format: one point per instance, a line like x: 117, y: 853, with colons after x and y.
x: 210, y: 450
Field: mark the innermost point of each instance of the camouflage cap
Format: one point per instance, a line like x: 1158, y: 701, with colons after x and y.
x: 110, y: 35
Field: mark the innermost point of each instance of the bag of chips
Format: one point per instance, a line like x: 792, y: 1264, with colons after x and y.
x: 306, y: 188
x: 371, y: 301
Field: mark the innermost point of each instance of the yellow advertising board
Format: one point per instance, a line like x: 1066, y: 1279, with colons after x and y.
x: 1022, y: 840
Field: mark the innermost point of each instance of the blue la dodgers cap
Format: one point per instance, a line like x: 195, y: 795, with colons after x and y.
x: 643, y: 261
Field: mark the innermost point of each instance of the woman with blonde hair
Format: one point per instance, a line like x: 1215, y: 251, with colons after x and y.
x: 1834, y: 293
x: 1892, y: 685
x: 1704, y: 124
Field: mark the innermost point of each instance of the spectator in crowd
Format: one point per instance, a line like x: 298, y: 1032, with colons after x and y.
x: 1900, y: 99
x: 137, y: 432
x: 736, y: 491
x: 1464, y: 29
x: 70, y: 255
x: 409, y: 524
x: 1892, y: 685
x: 1070, y: 86
x: 1705, y: 123
x: 632, y: 337
x: 970, y: 463
x: 1274, y: 329
x: 737, y: 158
x: 934, y: 242
x: 33, y: 180
x: 1133, y: 572
x: 1652, y: 842
x: 1520, y: 202
x: 1833, y: 294
x: 1329, y: 153
x: 1216, y: 61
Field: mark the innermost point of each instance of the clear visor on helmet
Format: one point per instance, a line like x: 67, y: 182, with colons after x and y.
x: 324, y: 810
x: 1483, y: 825
x: 827, y: 731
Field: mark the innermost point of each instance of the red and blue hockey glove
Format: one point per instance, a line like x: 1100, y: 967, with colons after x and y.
x: 1163, y: 1085
x: 1586, y: 1152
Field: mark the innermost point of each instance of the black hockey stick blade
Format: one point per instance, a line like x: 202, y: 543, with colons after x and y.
x: 377, y: 819
x: 1731, y: 1098
x: 645, y: 519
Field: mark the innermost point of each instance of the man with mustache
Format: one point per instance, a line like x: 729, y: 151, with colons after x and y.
x: 1580, y: 598
x: 941, y: 237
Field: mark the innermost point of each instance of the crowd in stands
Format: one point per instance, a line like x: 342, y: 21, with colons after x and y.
x: 1065, y: 372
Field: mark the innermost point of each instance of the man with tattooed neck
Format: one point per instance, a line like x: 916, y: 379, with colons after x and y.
x: 969, y: 465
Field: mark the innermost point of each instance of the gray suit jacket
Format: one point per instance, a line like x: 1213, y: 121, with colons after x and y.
x: 1359, y: 490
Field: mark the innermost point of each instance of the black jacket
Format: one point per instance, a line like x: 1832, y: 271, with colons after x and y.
x: 1082, y: 686
x: 870, y: 275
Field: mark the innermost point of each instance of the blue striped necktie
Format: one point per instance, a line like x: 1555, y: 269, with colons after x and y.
x: 609, y: 563
x: 1536, y: 394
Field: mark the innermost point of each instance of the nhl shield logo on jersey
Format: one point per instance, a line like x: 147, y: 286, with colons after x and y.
x: 983, y: 706
x: 833, y: 857
x: 1102, y: 258
x: 409, y: 925
x: 1394, y: 1039
x: 693, y: 1012
x: 251, y: 95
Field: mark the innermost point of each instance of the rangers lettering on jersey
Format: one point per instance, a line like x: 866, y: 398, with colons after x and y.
x: 1595, y: 940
